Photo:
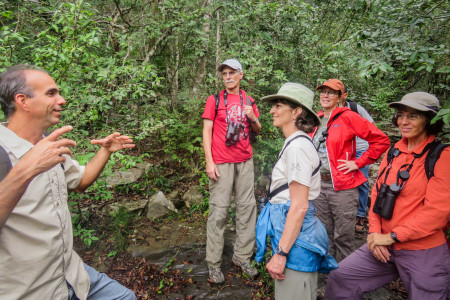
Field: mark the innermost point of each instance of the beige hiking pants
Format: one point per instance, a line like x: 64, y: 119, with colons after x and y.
x: 297, y: 286
x: 237, y: 177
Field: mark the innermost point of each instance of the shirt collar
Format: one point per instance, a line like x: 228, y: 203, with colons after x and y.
x: 17, y: 145
x: 402, y: 145
x: 297, y: 133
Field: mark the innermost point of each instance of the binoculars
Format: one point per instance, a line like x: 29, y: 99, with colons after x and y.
x: 385, y: 202
x: 233, y: 132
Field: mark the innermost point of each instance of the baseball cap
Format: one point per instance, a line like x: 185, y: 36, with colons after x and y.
x: 334, y: 84
x: 232, y: 63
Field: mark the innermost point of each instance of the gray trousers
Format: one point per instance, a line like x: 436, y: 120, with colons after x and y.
x: 297, y: 286
x: 425, y: 274
x: 337, y: 211
x: 240, y: 178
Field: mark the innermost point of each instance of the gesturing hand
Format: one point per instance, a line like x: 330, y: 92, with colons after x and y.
x: 48, y: 152
x: 114, y: 142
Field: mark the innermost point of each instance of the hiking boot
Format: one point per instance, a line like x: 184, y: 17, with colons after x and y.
x: 216, y: 275
x: 245, y: 266
x: 359, y: 227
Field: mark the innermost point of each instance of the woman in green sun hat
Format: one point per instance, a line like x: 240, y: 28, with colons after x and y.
x: 299, y: 240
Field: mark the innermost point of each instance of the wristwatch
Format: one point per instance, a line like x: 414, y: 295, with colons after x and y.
x: 256, y: 120
x: 280, y: 251
x: 394, y: 237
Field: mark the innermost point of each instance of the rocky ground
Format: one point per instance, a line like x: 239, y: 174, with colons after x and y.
x: 165, y: 260
x: 156, y: 245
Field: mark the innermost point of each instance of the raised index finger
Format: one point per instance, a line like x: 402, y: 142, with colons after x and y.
x: 58, y: 132
x: 65, y: 143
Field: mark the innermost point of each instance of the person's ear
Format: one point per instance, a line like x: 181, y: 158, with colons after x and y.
x: 22, y: 101
x: 297, y: 112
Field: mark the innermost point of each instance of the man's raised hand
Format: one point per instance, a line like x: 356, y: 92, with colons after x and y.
x: 49, y: 151
x: 114, y: 142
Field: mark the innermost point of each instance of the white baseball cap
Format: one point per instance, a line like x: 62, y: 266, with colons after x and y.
x: 232, y: 63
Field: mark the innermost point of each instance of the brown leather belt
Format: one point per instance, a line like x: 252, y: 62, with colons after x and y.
x: 325, y: 177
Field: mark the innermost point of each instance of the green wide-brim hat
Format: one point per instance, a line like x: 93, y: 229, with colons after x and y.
x: 298, y: 94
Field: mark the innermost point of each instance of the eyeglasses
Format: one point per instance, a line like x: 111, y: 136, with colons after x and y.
x: 410, y: 117
x: 330, y: 93
x: 232, y: 73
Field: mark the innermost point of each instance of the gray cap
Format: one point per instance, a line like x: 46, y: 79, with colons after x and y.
x: 232, y: 63
x: 420, y: 101
x: 297, y: 93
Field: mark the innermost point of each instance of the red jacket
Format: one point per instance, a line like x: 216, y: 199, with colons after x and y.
x: 341, y: 144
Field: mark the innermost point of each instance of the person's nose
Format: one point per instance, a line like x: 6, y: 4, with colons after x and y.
x: 402, y: 120
x: 272, y: 110
x: 61, y: 101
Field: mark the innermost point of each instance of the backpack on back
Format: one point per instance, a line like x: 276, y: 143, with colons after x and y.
x: 433, y: 154
x: 353, y: 106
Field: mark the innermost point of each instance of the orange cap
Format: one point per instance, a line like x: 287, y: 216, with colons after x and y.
x: 334, y: 84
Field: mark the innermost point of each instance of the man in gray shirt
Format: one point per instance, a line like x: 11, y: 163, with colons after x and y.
x: 36, y: 238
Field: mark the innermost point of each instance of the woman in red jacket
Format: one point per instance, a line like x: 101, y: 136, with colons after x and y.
x: 338, y: 201
x: 406, y: 239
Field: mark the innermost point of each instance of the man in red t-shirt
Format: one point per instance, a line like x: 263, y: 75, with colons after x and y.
x: 229, y: 165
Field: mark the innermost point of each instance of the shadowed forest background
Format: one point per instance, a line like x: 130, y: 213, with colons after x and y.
x: 145, y: 68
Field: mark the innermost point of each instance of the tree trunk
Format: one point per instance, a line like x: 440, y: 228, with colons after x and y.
x: 172, y: 71
x: 201, y: 62
x: 218, y: 58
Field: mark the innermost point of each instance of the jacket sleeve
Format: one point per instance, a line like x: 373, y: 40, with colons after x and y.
x: 433, y: 215
x: 378, y: 141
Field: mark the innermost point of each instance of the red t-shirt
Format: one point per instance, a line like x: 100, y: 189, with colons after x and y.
x: 242, y: 150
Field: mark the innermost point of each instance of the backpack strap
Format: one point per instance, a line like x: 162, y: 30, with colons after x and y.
x: 353, y: 106
x: 285, y: 186
x: 5, y: 163
x: 250, y: 102
x: 432, y: 156
x: 391, y: 155
x: 217, y: 98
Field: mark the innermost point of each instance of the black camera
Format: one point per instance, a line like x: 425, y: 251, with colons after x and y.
x: 233, y: 132
x: 324, y: 136
x: 385, y: 202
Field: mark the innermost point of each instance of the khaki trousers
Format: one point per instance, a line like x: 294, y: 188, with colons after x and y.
x: 238, y: 177
x: 337, y: 211
x: 297, y: 286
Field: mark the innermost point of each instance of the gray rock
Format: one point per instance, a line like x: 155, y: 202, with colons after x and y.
x: 149, y: 252
x: 175, y: 198
x: 129, y: 206
x: 193, y: 197
x: 144, y: 166
x: 159, y: 206
x: 189, y: 177
x: 120, y: 177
